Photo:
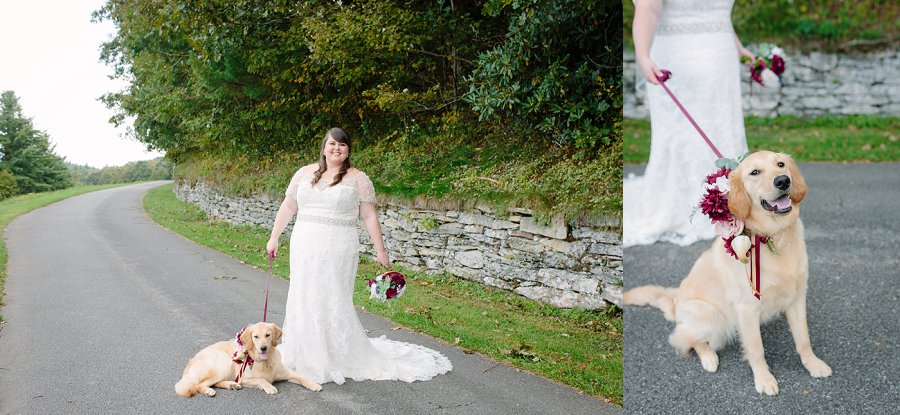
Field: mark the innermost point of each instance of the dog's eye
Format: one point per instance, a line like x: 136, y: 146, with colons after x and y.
x: 754, y: 172
x: 780, y: 164
x: 267, y: 334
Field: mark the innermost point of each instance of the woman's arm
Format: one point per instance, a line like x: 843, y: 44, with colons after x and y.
x: 741, y: 49
x: 646, y: 16
x: 285, y: 212
x: 370, y: 218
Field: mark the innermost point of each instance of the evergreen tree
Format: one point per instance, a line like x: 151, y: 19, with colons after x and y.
x: 27, y: 153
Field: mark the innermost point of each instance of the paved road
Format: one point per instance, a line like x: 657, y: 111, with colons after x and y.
x: 104, y: 308
x: 853, y: 235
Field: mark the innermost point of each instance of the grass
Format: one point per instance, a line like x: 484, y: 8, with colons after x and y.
x: 445, y: 165
x: 15, y: 206
x: 582, y: 349
x: 855, y: 138
x: 808, y: 24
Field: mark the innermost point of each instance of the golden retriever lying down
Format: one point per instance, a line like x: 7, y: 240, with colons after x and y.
x: 715, y: 300
x: 215, y: 365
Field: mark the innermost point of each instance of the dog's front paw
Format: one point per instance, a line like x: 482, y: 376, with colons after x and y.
x: 710, y: 362
x: 271, y: 390
x: 766, y: 384
x: 315, y: 387
x: 210, y: 392
x: 817, y: 368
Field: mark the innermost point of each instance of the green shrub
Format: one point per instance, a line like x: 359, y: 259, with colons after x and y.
x: 8, y: 186
x: 556, y: 72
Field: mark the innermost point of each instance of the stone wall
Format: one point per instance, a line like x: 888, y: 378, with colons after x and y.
x: 814, y: 84
x: 574, y: 264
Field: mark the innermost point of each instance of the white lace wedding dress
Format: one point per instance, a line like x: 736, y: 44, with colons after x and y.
x: 694, y: 39
x: 323, y: 338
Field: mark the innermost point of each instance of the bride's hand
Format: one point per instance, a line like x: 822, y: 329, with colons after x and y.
x: 383, y: 259
x: 649, y: 70
x: 272, y: 248
x: 750, y: 55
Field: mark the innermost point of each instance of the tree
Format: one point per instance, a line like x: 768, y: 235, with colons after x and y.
x: 250, y: 79
x: 558, y: 71
x: 27, y: 153
x: 256, y: 77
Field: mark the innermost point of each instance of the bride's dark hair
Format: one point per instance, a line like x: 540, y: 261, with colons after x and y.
x: 340, y: 136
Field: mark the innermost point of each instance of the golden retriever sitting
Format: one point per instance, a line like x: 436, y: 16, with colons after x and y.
x: 715, y: 300
x: 216, y: 365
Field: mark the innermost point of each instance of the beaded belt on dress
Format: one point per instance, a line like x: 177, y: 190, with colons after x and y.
x: 694, y: 27
x: 326, y: 221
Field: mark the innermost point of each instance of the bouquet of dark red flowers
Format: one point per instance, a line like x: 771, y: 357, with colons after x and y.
x: 387, y: 286
x: 768, y: 66
x: 714, y: 205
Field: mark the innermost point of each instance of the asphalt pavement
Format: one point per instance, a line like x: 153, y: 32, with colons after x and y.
x: 852, y: 221
x: 104, y: 308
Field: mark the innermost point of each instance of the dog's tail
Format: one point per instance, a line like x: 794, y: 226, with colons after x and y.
x: 653, y: 295
x: 186, y: 387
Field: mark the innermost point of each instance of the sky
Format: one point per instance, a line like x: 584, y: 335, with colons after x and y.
x: 50, y: 57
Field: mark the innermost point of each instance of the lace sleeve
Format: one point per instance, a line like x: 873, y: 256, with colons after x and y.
x: 366, y: 190
x: 291, y: 192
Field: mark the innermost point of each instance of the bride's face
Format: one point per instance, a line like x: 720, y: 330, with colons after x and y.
x: 335, y: 152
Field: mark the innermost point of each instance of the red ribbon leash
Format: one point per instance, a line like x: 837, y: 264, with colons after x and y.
x: 269, y: 282
x: 662, y: 83
x: 756, y: 241
x: 248, y: 359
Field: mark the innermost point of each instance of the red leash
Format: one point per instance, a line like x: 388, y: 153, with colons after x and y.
x: 662, y: 82
x: 248, y: 360
x: 268, y: 283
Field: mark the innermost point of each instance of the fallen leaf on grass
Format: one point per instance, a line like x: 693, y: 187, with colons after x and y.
x: 523, y: 351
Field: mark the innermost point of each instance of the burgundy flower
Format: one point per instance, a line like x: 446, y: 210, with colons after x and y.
x: 715, y: 205
x: 711, y: 179
x: 728, y: 247
x: 757, y: 70
x: 777, y: 65
x: 398, y: 281
x: 390, y: 293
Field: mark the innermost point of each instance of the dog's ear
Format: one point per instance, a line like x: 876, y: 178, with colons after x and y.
x: 276, y: 333
x: 738, y: 199
x: 247, y: 338
x: 798, y: 184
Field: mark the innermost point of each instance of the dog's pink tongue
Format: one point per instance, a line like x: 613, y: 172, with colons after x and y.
x: 263, y: 356
x: 782, y: 202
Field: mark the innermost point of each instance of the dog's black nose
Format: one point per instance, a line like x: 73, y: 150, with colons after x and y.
x: 782, y: 182
x: 264, y: 348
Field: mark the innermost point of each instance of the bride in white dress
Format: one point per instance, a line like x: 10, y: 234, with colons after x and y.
x: 323, y: 338
x: 695, y: 40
